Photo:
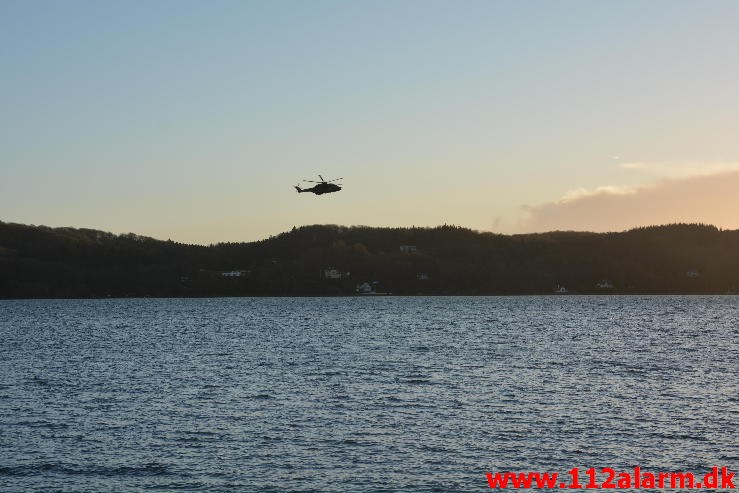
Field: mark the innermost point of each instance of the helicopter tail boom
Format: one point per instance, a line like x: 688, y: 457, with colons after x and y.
x: 300, y: 190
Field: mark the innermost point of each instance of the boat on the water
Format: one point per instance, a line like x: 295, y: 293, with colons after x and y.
x: 370, y: 289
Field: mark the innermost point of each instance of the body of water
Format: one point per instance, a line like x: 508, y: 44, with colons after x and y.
x: 378, y: 394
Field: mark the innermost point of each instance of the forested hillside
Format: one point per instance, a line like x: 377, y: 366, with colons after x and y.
x: 37, y: 261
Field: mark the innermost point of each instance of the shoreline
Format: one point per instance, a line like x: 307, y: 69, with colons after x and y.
x: 519, y: 295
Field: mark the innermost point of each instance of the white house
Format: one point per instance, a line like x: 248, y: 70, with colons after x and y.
x: 334, y: 274
x: 408, y: 249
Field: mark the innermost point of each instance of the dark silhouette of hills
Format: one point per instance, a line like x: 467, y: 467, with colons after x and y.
x: 43, y: 262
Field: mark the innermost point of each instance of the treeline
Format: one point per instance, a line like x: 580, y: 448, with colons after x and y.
x: 42, y: 262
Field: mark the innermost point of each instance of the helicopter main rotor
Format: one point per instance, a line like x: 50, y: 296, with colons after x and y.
x: 323, y: 181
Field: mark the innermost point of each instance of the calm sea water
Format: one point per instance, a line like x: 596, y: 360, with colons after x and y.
x: 360, y: 394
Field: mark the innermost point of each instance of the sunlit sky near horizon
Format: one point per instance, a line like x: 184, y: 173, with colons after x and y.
x: 192, y: 120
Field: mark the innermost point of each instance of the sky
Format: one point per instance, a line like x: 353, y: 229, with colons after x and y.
x: 192, y: 120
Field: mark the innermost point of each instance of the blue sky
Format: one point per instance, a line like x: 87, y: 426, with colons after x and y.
x: 192, y: 120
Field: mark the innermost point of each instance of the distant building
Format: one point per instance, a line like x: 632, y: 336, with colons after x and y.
x: 334, y: 274
x: 693, y: 273
x: 604, y: 284
x: 235, y: 273
x: 367, y: 288
x: 422, y: 276
x: 408, y: 249
x: 364, y: 288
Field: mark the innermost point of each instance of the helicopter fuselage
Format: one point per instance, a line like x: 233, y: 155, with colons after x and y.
x: 320, y: 189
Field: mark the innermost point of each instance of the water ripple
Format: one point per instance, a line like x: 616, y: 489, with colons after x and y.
x: 360, y: 394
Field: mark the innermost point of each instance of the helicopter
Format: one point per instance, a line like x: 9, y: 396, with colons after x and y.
x: 322, y: 186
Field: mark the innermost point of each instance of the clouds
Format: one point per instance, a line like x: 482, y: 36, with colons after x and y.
x: 582, y: 193
x: 682, y: 169
x: 706, y: 198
